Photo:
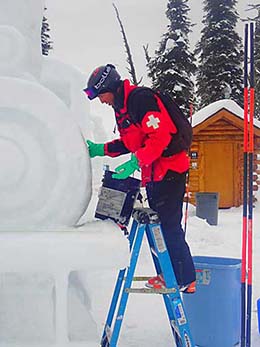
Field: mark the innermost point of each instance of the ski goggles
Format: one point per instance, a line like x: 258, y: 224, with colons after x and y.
x: 91, y: 93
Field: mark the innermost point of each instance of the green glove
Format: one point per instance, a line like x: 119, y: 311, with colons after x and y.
x: 126, y: 169
x: 95, y: 149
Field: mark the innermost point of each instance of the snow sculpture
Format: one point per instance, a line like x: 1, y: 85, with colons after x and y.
x: 20, y: 54
x: 47, y: 279
x: 45, y: 178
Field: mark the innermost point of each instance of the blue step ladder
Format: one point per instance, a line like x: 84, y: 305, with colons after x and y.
x: 146, y: 221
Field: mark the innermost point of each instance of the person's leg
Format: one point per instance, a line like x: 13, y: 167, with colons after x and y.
x: 166, y: 198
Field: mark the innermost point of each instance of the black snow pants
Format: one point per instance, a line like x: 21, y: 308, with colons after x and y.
x: 166, y: 198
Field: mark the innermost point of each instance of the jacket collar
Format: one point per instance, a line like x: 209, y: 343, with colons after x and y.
x: 121, y: 96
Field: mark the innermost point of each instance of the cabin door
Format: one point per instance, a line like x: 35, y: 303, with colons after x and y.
x: 219, y: 165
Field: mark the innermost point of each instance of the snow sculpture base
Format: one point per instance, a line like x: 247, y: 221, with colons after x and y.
x: 53, y: 284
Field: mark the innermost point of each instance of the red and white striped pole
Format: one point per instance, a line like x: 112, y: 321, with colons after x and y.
x: 245, y: 172
x: 247, y: 232
x: 250, y: 190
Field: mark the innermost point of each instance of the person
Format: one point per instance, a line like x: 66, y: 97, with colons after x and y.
x: 145, y: 132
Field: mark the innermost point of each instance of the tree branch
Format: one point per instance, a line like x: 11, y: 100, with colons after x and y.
x: 129, y: 59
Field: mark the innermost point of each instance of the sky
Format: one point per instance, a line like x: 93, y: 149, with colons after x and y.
x: 86, y: 33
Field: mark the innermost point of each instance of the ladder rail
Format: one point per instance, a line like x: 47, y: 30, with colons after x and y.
x: 159, y: 271
x: 135, y: 250
x: 171, y: 295
x: 173, y: 302
x: 106, y: 333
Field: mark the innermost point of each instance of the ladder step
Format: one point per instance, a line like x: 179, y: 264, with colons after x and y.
x: 141, y: 278
x: 151, y: 290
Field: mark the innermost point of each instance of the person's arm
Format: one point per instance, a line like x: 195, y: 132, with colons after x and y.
x: 115, y: 148
x: 111, y: 149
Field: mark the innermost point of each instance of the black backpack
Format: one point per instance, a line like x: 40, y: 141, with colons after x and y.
x: 183, y: 138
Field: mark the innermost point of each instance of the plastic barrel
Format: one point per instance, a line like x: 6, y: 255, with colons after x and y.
x: 214, y: 310
x: 207, y: 206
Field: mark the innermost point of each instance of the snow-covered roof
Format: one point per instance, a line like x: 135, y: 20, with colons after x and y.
x: 216, y: 106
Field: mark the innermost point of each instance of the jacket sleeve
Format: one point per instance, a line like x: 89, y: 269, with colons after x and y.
x: 115, y: 148
x: 158, y: 127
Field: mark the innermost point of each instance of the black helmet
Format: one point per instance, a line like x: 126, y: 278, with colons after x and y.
x: 103, y: 79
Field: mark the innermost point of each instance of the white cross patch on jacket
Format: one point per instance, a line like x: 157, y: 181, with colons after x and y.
x: 153, y: 122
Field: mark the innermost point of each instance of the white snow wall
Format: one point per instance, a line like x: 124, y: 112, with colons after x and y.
x: 45, y: 176
x: 50, y: 272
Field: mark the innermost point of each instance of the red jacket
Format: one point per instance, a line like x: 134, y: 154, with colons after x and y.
x: 147, y: 137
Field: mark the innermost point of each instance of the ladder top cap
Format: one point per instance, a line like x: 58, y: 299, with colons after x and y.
x: 145, y: 215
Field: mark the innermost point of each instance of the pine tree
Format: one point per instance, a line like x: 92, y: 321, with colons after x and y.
x: 45, y: 37
x: 220, y: 54
x: 172, y: 67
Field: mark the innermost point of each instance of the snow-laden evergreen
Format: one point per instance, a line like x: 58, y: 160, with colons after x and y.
x: 220, y: 55
x: 45, y: 37
x: 172, y: 67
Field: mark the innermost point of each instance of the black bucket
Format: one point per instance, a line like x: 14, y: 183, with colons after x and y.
x: 117, y: 198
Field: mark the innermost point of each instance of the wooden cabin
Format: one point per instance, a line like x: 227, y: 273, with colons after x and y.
x: 217, y: 153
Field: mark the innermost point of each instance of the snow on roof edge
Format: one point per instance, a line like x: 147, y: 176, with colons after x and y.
x: 216, y: 106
